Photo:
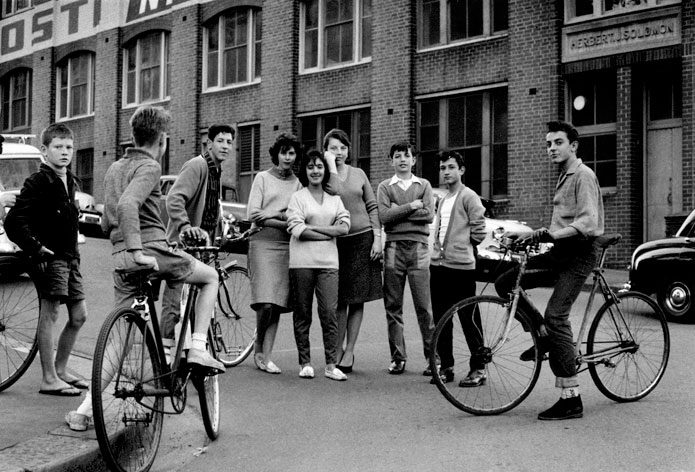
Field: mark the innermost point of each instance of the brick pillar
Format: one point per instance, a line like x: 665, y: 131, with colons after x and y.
x: 624, y: 209
x: 534, y: 99
x: 107, y: 103
x: 186, y: 70
x: 43, y: 97
x: 688, y: 83
x: 279, y: 68
x: 393, y: 109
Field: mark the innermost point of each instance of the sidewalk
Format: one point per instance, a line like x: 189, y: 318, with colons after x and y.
x: 34, y: 436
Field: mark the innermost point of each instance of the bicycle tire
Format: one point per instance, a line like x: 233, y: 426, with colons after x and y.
x: 629, y: 376
x: 508, y: 379
x: 128, y: 429
x: 235, y: 321
x: 208, y: 388
x: 19, y: 319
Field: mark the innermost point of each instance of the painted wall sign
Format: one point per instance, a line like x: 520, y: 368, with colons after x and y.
x: 619, y: 35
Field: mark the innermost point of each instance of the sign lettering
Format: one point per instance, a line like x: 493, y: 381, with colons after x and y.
x: 12, y: 37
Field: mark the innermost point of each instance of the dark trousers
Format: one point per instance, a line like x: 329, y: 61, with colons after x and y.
x: 304, y: 282
x: 565, y: 267
x: 449, y: 286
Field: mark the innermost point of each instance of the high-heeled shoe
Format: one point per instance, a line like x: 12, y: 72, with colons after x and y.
x: 346, y: 369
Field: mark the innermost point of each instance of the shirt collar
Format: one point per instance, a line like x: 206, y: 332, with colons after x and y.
x: 574, y: 167
x: 414, y: 178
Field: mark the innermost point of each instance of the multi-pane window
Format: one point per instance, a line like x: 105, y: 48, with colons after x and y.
x: 448, y: 21
x: 147, y: 69
x: 473, y: 124
x: 355, y: 123
x: 335, y: 32
x: 15, y: 89
x: 249, y: 148
x: 592, y: 110
x: 233, y: 48
x: 582, y: 9
x: 665, y: 96
x: 75, y: 86
x: 10, y: 7
x: 84, y: 169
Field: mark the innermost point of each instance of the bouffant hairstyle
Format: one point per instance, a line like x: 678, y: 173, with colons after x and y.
x: 568, y: 128
x: 307, y: 159
x: 283, y: 143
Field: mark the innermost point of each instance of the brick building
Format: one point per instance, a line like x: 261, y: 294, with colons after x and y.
x: 479, y: 76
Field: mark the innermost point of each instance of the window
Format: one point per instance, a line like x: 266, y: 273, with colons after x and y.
x: 473, y: 124
x: 449, y: 21
x: 10, y: 7
x: 665, y: 96
x: 233, y: 48
x: 16, y: 100
x: 586, y: 9
x: 147, y: 69
x: 357, y: 125
x: 249, y: 145
x: 76, y: 86
x: 335, y: 32
x: 84, y: 169
x: 593, y: 112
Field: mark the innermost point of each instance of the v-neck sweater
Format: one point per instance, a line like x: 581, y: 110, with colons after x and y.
x: 401, y: 222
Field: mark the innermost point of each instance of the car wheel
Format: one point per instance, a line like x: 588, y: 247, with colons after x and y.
x: 676, y: 299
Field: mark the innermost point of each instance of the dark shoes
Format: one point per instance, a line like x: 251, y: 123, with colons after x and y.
x: 396, y: 367
x: 445, y: 375
x: 428, y: 370
x: 564, y: 409
x: 530, y: 354
x: 475, y: 378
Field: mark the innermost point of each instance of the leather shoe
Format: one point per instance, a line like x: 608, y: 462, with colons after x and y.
x: 530, y: 354
x: 475, y: 378
x: 564, y: 409
x: 396, y: 367
x: 445, y: 375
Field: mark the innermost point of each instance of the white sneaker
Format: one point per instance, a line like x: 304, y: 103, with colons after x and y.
x: 77, y: 421
x: 334, y: 374
x: 271, y: 368
x: 204, y: 359
x: 307, y: 372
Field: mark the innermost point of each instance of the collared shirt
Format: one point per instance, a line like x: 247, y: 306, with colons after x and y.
x: 404, y: 183
x: 578, y: 201
x: 212, y: 196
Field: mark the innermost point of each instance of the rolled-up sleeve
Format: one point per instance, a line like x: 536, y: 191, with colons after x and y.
x: 342, y: 215
x: 588, y: 218
x: 296, y: 217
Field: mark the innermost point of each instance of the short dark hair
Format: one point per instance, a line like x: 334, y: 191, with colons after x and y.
x: 283, y: 143
x: 308, y: 158
x: 218, y: 128
x: 147, y: 123
x: 56, y: 130
x: 446, y: 155
x: 401, y: 146
x: 567, y: 128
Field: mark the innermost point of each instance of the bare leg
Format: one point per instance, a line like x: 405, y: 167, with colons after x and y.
x: 270, y: 332
x: 48, y: 314
x: 206, y: 278
x: 354, y: 322
x: 77, y: 314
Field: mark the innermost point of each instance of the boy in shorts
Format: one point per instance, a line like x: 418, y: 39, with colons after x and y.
x: 44, y: 224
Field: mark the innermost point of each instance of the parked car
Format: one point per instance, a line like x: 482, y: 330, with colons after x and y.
x: 665, y: 267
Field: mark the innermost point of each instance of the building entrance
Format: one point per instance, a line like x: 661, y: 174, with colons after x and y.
x: 663, y: 180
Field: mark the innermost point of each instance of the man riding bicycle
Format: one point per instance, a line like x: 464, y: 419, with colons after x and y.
x: 576, y: 221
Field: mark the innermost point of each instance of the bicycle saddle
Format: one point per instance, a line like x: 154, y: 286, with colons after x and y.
x: 607, y: 240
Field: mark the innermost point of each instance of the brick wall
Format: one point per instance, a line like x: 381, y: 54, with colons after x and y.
x: 688, y: 64
x: 43, y: 91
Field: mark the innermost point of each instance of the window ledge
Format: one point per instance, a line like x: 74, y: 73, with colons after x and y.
x: 609, y: 191
x: 464, y: 42
x: 150, y: 102
x: 345, y: 65
x: 76, y: 117
x: 231, y: 86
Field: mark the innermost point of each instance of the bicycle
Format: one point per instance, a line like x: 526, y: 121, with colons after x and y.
x: 131, y: 377
x: 19, y: 318
x: 626, y: 349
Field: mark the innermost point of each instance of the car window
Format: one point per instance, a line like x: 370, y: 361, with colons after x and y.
x: 165, y: 186
x: 14, y: 171
x: 687, y: 229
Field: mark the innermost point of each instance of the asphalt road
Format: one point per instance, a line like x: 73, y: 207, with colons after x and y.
x: 378, y: 422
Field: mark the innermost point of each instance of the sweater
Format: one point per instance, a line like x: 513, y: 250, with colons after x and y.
x: 131, y: 201
x: 466, y: 229
x: 400, y: 221
x: 358, y: 197
x: 45, y: 214
x: 269, y: 192
x: 304, y: 210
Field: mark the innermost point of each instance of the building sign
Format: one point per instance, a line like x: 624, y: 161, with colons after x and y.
x: 55, y: 22
x: 618, y: 35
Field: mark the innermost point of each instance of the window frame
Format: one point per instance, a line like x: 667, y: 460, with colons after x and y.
x: 488, y: 24
x: 8, y: 81
x: 9, y: 8
x: 488, y: 140
x: 255, y: 155
x: 91, y: 71
x: 164, y: 69
x: 358, y: 40
x: 253, y: 47
x: 599, y: 10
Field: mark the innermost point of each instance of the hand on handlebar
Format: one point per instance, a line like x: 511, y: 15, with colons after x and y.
x: 195, y: 235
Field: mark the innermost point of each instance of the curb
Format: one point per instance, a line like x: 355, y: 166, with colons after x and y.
x: 58, y: 450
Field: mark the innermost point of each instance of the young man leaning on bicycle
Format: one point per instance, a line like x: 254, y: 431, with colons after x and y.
x: 576, y: 221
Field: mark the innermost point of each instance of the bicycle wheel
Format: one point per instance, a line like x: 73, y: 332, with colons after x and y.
x: 633, y: 336
x: 235, y: 321
x: 508, y: 379
x: 19, y: 319
x: 208, y: 388
x: 128, y: 422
